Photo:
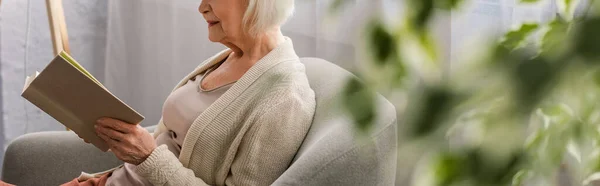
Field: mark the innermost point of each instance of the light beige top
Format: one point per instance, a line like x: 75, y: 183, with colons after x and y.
x: 182, y: 107
x: 249, y: 135
x: 180, y: 110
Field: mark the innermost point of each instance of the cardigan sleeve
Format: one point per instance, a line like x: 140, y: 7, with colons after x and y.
x: 265, y: 152
x: 163, y: 168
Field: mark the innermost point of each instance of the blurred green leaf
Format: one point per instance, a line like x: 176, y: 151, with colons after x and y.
x: 358, y: 100
x: 448, y: 169
x: 520, y: 177
x: 557, y: 110
x: 568, y: 4
x: 480, y: 168
x: 487, y: 171
x: 554, y: 40
x: 423, y: 11
x: 553, y: 110
x: 428, y: 44
x: 336, y: 5
x: 399, y: 73
x: 587, y: 39
x: 535, y: 140
x: 577, y: 127
x: 502, y: 55
x: 533, y: 78
x: 556, y: 147
x: 382, y: 43
x: 435, y: 106
x: 560, y: 113
x: 597, y: 166
x: 515, y: 38
x: 597, y: 78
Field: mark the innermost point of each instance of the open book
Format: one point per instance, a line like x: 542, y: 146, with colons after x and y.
x: 72, y: 96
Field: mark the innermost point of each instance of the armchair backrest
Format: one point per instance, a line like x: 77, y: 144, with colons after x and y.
x: 331, y: 153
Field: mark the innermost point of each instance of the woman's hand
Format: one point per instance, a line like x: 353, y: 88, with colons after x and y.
x: 130, y: 143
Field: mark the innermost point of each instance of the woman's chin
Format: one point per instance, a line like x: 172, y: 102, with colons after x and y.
x: 214, y: 38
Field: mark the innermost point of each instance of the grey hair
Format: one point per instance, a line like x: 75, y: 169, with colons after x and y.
x: 263, y: 14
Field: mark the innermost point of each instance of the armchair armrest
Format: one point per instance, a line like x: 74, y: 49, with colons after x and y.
x: 52, y: 158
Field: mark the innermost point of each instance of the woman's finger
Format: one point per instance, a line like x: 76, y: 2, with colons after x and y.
x: 113, y: 148
x: 109, y: 141
x: 120, y: 152
x: 117, y: 125
x: 111, y: 133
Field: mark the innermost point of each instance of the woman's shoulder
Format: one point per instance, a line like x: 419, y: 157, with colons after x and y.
x: 289, y: 70
x: 287, y: 74
x: 285, y: 81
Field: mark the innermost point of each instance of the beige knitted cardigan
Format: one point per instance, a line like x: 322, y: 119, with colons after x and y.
x: 249, y: 135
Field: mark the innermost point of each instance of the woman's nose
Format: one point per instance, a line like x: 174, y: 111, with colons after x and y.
x: 203, y: 8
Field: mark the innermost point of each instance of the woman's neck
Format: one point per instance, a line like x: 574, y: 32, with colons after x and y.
x: 252, y: 49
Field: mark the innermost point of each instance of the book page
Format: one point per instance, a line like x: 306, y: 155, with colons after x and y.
x: 29, y: 79
x: 27, y: 82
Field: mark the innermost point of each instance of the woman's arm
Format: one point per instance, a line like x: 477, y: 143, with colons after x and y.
x: 135, y: 145
x: 163, y: 168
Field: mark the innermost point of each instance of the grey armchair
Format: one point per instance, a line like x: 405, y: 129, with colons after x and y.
x: 52, y: 158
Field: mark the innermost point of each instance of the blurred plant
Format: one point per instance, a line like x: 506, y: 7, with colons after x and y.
x: 525, y: 113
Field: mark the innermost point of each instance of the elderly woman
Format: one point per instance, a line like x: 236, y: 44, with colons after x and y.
x: 237, y: 119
